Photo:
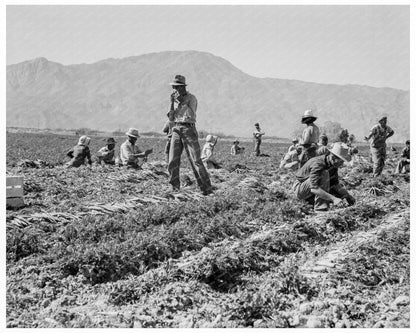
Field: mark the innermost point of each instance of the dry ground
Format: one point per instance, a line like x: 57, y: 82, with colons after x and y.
x: 109, y: 247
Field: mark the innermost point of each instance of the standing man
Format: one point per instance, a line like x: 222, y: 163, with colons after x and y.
x: 257, y: 134
x: 310, y: 137
x: 129, y: 152
x: 184, y: 135
x: 379, y: 134
x: 317, y: 181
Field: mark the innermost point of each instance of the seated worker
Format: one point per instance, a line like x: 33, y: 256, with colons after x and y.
x: 208, y: 152
x: 291, y: 159
x: 404, y: 164
x: 79, y: 153
x: 323, y: 145
x: 317, y: 181
x: 130, y: 153
x: 295, y: 141
x: 106, y: 154
x: 236, y: 149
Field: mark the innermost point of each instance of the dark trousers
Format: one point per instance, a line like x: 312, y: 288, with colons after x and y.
x: 186, y: 137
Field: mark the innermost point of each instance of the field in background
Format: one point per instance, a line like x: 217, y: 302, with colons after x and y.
x: 110, y: 247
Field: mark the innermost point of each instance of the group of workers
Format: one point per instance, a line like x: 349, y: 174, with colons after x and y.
x: 316, y: 164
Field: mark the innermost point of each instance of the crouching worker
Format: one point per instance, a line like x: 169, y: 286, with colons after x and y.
x: 79, y: 153
x: 317, y: 181
x: 130, y: 154
x: 404, y: 164
x: 291, y: 159
x: 106, y: 154
x: 236, y: 149
x: 207, y: 154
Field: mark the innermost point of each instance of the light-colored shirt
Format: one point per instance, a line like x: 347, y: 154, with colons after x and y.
x: 185, y: 111
x: 207, y: 152
x: 106, y: 155
x: 310, y: 135
x: 378, y: 136
x: 126, y: 153
x: 290, y: 157
x: 258, y: 134
x: 236, y: 149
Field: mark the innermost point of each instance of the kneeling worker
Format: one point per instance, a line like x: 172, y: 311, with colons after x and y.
x: 130, y: 152
x: 317, y: 180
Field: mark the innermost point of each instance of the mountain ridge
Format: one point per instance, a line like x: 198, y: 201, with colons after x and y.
x: 114, y: 94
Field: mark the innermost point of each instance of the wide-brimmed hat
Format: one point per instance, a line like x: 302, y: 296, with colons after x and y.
x: 84, y: 140
x: 110, y: 141
x: 236, y: 142
x: 341, y: 150
x: 211, y: 139
x: 308, y: 114
x: 133, y: 132
x: 179, y: 81
x: 383, y: 117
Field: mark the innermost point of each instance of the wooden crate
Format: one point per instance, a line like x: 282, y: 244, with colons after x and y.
x: 14, y: 191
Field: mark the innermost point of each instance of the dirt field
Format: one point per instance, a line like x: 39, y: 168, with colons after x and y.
x: 110, y: 247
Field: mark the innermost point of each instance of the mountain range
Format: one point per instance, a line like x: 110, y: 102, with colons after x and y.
x: 115, y: 94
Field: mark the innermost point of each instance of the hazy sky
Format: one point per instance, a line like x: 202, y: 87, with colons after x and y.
x: 366, y: 45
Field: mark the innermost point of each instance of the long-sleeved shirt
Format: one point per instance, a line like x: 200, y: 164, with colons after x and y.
x: 106, y: 155
x: 127, y: 151
x: 207, y: 152
x: 185, y: 111
x: 257, y: 134
x: 313, y: 169
x: 235, y: 149
x: 78, y: 154
x: 310, y: 135
x: 289, y: 157
x: 378, y: 135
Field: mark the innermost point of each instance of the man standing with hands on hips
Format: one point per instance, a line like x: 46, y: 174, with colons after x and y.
x: 182, y: 112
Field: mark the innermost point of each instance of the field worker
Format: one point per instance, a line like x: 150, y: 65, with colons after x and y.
x: 378, y: 135
x: 310, y: 137
x: 323, y: 145
x: 295, y: 142
x: 167, y: 129
x: 291, y: 159
x: 257, y: 134
x: 106, y: 155
x: 404, y: 164
x: 236, y: 149
x: 342, y: 136
x: 80, y: 152
x: 182, y: 112
x: 207, y: 154
x: 130, y: 153
x: 318, y: 181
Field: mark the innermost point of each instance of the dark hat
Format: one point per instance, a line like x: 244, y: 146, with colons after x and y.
x: 179, y: 81
x: 383, y: 118
x: 408, y: 142
x: 110, y: 141
x: 236, y: 142
x: 256, y: 124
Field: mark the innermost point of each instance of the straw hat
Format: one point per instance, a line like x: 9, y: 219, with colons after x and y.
x: 133, y: 132
x: 340, y: 150
x: 308, y: 114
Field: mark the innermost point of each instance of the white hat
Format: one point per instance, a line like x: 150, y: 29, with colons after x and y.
x: 133, y: 132
x: 341, y: 150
